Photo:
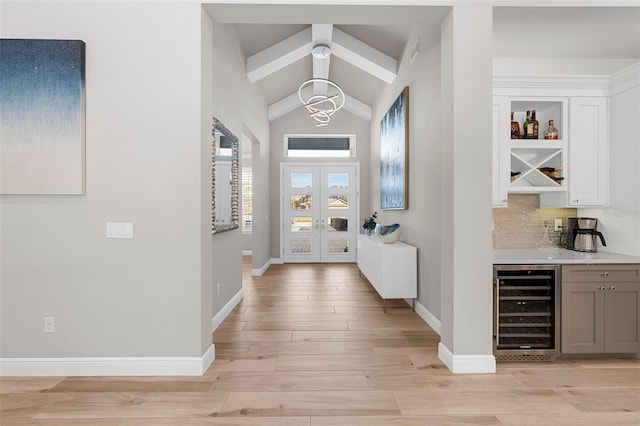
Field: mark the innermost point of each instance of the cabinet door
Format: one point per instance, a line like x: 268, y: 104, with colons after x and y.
x: 622, y: 317
x: 582, y: 325
x: 501, y: 135
x: 588, y: 151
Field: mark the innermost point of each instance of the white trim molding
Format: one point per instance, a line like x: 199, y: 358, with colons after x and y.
x: 466, y: 364
x: 108, y: 366
x: 428, y: 317
x: 597, y: 82
x: 625, y: 79
x: 568, y: 85
x: 247, y: 252
x: 226, y: 310
x: 262, y: 270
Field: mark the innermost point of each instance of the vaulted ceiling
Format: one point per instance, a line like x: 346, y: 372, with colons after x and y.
x: 366, y: 43
x: 321, y: 42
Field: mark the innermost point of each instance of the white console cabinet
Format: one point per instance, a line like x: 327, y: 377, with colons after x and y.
x: 390, y: 268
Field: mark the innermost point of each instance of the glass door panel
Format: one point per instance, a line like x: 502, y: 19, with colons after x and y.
x: 319, y: 213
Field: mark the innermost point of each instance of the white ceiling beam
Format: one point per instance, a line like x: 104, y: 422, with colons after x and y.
x: 285, y: 105
x: 357, y: 107
x: 280, y: 55
x: 364, y: 56
x: 321, y: 34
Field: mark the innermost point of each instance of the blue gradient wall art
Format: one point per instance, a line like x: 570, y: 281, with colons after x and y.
x: 42, y: 116
x: 394, y: 154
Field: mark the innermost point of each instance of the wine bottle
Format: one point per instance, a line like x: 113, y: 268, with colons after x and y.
x: 515, y: 128
x: 525, y: 126
x: 535, y: 130
x: 551, y: 132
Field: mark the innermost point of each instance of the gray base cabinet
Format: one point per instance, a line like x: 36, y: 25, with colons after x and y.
x: 600, y: 309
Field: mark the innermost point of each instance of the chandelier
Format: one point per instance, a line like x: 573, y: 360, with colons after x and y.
x: 321, y: 106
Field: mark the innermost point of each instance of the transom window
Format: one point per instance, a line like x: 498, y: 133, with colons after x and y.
x: 319, y: 146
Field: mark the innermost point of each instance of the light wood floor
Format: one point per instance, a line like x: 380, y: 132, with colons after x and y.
x: 310, y: 345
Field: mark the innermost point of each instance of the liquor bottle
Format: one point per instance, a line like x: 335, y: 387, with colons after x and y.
x: 551, y: 132
x: 525, y: 126
x: 515, y: 128
x: 534, y: 124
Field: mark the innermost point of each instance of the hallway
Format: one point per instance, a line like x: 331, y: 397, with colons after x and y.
x: 313, y: 340
x: 309, y: 345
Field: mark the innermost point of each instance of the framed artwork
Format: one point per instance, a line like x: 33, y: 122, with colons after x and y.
x: 394, y: 155
x: 42, y: 131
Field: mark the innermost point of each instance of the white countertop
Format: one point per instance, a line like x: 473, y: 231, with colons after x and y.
x: 557, y: 256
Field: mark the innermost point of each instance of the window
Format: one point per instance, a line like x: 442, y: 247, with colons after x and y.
x: 247, y: 200
x: 319, y: 146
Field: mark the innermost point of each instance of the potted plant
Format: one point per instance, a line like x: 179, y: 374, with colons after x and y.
x: 370, y: 224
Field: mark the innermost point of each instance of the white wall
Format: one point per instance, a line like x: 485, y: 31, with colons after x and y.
x: 466, y: 189
x: 421, y: 222
x: 115, y: 297
x: 516, y: 66
x: 620, y: 223
x: 242, y: 109
x: 449, y: 212
x: 150, y: 97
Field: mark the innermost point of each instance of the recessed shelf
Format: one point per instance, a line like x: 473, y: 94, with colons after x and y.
x: 545, y: 110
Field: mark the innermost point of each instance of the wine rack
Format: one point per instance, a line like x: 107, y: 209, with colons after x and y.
x: 534, y: 167
x: 539, y: 164
x: 525, y: 311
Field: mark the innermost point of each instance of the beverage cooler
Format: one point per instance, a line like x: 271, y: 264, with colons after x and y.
x: 526, y: 312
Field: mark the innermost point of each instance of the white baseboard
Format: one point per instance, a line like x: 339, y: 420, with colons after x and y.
x: 262, y: 270
x: 108, y: 366
x: 277, y: 261
x: 428, y: 317
x: 466, y: 364
x: 247, y: 252
x: 226, y: 310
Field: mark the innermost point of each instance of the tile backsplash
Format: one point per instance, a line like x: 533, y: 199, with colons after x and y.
x: 522, y: 223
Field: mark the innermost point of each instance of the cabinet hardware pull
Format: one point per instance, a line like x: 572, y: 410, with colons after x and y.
x: 612, y: 287
x: 606, y: 274
x: 602, y: 287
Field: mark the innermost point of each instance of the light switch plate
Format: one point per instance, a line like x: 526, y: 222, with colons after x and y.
x: 49, y: 324
x: 119, y: 230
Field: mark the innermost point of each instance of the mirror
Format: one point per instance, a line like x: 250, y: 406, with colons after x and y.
x: 225, y: 176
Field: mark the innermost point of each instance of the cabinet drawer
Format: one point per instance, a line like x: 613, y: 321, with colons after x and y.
x: 601, y: 273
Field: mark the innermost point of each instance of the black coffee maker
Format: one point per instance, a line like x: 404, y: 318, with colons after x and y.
x: 582, y: 233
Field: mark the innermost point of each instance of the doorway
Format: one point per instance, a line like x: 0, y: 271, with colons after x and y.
x: 320, y: 204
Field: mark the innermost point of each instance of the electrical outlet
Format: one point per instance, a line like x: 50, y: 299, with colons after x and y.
x: 218, y: 290
x: 49, y: 325
x: 557, y: 226
x: 119, y: 230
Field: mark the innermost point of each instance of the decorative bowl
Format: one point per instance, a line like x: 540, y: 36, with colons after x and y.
x: 389, y: 234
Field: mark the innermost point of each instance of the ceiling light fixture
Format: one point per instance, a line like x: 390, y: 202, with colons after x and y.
x: 321, y: 51
x: 322, y: 106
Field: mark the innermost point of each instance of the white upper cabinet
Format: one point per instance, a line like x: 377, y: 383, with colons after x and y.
x: 500, y: 150
x: 568, y: 171
x: 588, y: 148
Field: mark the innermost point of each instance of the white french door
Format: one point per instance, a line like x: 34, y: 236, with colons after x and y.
x: 319, y: 212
